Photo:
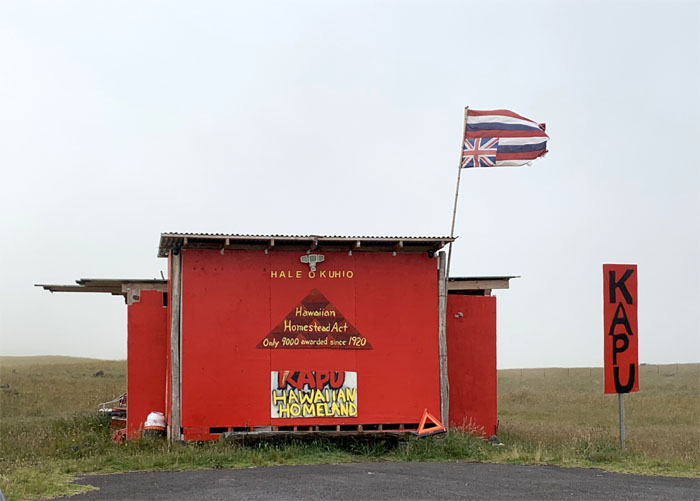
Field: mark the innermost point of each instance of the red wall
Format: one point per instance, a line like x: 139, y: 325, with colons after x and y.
x: 231, y: 302
x: 471, y: 361
x: 146, y: 351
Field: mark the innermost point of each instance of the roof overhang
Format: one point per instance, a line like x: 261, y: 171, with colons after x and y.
x: 170, y: 241
x: 479, y: 286
x: 129, y: 288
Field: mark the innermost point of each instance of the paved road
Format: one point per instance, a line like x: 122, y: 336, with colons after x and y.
x: 390, y: 481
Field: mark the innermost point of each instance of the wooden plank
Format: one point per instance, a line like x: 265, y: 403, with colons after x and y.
x: 100, y: 282
x: 251, y: 437
x: 475, y: 285
x: 111, y: 289
x: 161, y: 287
x: 442, y: 339
x: 174, y: 430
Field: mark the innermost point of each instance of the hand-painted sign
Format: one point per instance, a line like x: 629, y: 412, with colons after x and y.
x: 315, y: 323
x: 287, y: 274
x: 304, y: 394
x: 620, y: 324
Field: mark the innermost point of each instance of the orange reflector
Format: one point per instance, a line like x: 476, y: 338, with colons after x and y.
x: 437, y: 426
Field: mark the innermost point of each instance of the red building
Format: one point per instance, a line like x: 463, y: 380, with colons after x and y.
x: 290, y: 333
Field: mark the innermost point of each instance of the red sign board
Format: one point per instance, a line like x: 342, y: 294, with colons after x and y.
x: 620, y: 328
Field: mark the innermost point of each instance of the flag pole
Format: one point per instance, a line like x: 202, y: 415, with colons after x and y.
x: 454, y: 210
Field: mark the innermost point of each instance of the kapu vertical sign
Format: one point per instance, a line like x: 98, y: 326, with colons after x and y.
x: 620, y: 328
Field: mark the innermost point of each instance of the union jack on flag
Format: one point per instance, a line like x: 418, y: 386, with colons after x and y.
x: 479, y: 152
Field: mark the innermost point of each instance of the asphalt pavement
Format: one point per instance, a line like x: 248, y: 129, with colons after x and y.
x: 459, y: 480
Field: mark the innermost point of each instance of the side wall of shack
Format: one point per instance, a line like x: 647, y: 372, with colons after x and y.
x: 233, y: 301
x: 146, y: 352
x: 471, y: 362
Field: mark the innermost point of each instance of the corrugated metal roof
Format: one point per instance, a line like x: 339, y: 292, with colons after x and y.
x: 492, y: 277
x: 235, y: 241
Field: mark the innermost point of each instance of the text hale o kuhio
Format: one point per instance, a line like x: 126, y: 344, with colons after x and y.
x: 294, y: 274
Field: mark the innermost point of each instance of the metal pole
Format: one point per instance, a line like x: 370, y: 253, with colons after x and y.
x: 621, y: 405
x: 454, y: 210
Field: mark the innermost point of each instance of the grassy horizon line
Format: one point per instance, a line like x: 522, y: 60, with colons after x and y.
x: 77, y: 359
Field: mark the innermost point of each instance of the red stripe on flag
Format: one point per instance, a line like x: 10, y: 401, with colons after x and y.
x: 507, y: 113
x: 525, y: 155
x: 505, y: 133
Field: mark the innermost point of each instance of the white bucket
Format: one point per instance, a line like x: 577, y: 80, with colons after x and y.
x: 155, y: 421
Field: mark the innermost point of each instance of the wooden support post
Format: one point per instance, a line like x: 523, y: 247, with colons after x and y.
x: 442, y: 340
x: 174, y: 430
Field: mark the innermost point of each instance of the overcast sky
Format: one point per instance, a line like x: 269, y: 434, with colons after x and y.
x: 122, y: 120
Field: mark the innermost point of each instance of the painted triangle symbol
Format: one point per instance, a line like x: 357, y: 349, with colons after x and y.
x: 315, y: 323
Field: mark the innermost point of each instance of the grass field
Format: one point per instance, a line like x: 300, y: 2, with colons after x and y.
x: 49, y: 430
x: 563, y: 416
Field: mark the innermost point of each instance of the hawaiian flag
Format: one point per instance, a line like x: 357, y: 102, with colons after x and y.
x: 501, y: 138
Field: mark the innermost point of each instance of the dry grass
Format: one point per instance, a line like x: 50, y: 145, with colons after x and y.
x: 49, y: 430
x: 40, y: 387
x: 565, y: 414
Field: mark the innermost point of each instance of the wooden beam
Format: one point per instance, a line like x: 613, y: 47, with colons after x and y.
x: 174, y: 430
x: 442, y: 340
x: 111, y: 289
x: 476, y: 285
x: 257, y: 436
x: 161, y: 286
x: 132, y: 291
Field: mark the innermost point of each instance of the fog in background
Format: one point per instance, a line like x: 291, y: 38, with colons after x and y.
x: 122, y: 120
